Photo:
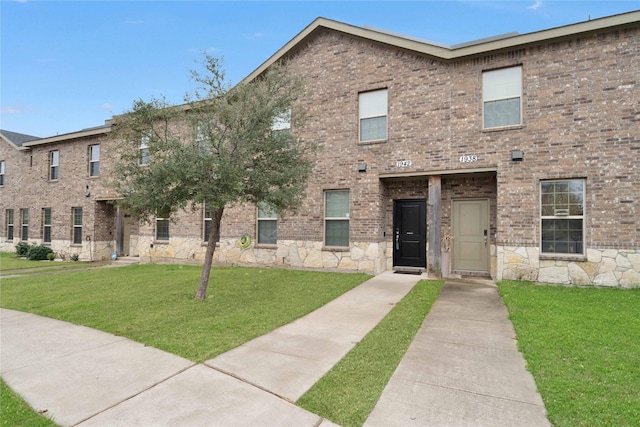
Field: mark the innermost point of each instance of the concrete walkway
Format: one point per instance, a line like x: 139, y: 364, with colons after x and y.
x: 463, y: 368
x: 80, y: 376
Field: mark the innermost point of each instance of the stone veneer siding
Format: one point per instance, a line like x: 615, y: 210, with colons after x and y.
x: 602, y: 267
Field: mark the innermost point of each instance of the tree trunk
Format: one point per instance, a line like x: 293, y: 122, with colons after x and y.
x: 214, y: 232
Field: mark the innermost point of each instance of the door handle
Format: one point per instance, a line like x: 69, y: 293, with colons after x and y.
x: 397, y: 239
x: 485, y: 237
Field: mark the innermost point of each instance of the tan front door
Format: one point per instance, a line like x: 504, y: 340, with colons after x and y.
x: 471, y: 235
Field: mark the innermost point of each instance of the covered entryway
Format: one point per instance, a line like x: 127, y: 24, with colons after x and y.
x: 410, y: 233
x: 471, y: 240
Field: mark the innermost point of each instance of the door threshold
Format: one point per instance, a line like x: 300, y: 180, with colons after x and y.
x: 408, y: 270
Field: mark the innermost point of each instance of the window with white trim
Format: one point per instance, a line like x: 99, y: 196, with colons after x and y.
x: 24, y: 224
x: 46, y: 225
x: 162, y: 225
x: 282, y: 123
x: 9, y: 217
x: 1, y: 173
x: 267, y: 224
x: 373, y: 115
x: 502, y: 97
x: 94, y: 160
x: 336, y: 218
x: 54, y: 164
x: 76, y: 214
x: 207, y: 222
x: 144, y: 148
x: 562, y: 215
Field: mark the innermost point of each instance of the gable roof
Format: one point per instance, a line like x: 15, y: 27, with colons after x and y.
x: 16, y: 139
x: 445, y: 52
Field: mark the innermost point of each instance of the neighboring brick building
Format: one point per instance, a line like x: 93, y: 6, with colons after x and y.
x: 515, y: 156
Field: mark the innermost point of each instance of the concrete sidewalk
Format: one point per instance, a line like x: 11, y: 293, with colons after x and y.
x: 463, y: 368
x: 80, y: 376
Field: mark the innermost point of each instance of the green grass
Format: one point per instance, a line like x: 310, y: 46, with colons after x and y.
x: 155, y: 304
x: 11, y: 264
x: 582, y: 346
x: 16, y: 413
x: 348, y: 392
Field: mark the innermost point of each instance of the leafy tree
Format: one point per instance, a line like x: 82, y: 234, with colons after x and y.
x: 219, y: 148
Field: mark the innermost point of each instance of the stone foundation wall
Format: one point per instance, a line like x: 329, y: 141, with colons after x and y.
x: 601, y: 267
x: 87, y: 251
x: 366, y: 257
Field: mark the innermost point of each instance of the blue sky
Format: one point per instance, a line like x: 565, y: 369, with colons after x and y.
x: 69, y: 65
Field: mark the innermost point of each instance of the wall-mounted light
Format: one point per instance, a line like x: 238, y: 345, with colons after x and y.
x: 362, y: 167
x: 517, y: 155
x: 87, y: 193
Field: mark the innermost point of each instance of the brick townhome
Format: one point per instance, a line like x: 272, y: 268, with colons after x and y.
x: 514, y: 156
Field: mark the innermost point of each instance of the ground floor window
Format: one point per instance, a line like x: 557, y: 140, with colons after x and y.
x: 77, y: 225
x: 207, y: 222
x: 562, y: 214
x: 46, y: 225
x: 336, y: 218
x: 24, y: 221
x: 9, y: 223
x: 162, y: 225
x: 267, y: 224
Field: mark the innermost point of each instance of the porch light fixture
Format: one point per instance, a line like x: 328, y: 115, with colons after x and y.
x: 517, y: 155
x: 362, y: 167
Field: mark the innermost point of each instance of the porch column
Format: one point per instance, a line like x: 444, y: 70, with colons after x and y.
x: 434, y: 227
x: 119, y: 231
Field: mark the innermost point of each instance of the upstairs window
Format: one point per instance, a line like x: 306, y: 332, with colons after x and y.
x: 144, y: 148
x: 9, y: 224
x: 162, y: 225
x: 1, y: 173
x: 562, y: 214
x: 336, y: 218
x: 94, y: 160
x: 46, y: 225
x: 267, y: 224
x: 282, y: 123
x: 54, y: 164
x: 502, y: 97
x: 373, y: 115
x: 76, y: 219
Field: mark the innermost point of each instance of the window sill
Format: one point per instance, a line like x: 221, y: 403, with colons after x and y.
x: 161, y: 242
x: 205, y: 244
x: 373, y: 142
x: 502, y: 128
x: 562, y: 257
x: 336, y: 248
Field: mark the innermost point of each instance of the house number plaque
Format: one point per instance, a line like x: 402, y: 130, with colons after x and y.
x: 468, y: 159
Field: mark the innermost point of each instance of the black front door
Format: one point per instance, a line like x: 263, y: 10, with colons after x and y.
x: 410, y: 233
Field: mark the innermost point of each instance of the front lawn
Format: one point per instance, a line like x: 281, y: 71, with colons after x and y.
x: 11, y: 265
x: 155, y: 304
x: 16, y: 413
x: 582, y: 346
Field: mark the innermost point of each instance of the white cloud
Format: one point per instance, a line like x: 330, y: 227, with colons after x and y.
x: 536, y: 5
x: 107, y: 106
x: 9, y: 110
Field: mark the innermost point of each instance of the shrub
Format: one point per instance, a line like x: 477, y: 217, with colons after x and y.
x: 51, y: 256
x: 38, y: 253
x: 75, y: 257
x: 22, y: 248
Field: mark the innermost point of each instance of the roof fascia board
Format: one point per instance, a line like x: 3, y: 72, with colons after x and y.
x: 439, y: 51
x: 69, y: 136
